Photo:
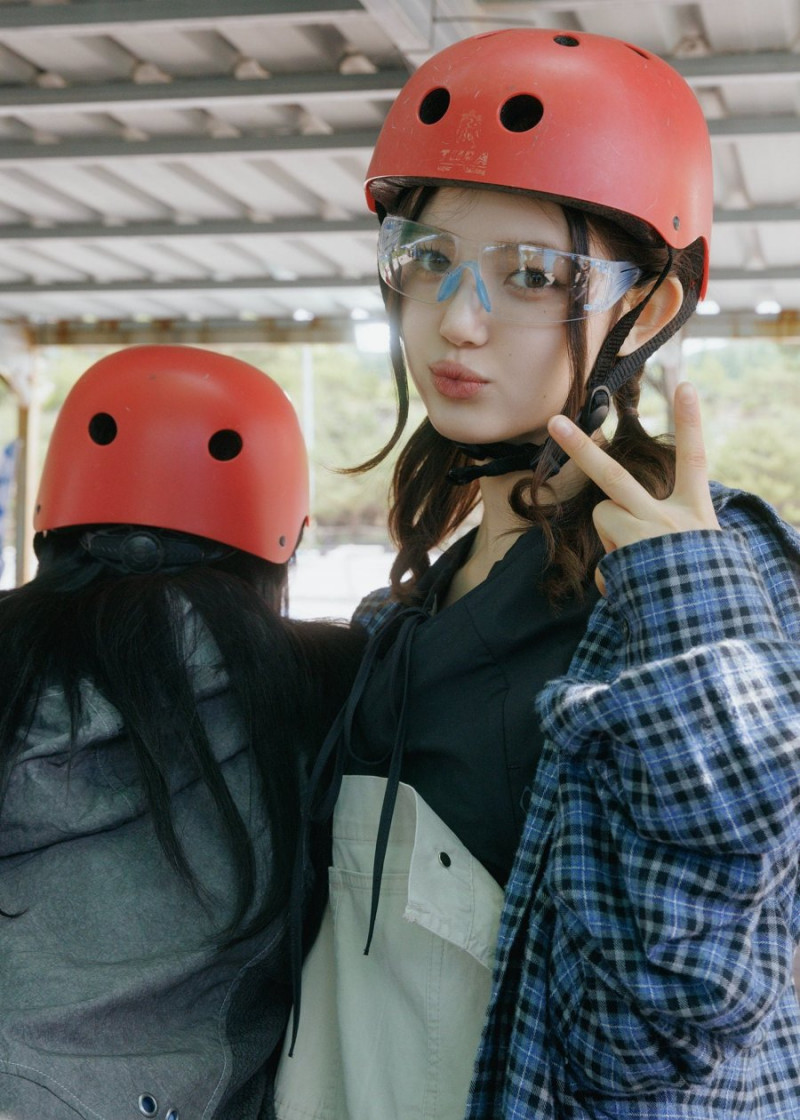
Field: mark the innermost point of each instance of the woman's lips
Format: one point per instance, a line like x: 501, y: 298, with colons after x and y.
x: 456, y: 381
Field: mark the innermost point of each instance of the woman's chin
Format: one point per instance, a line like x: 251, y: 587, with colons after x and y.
x: 474, y: 435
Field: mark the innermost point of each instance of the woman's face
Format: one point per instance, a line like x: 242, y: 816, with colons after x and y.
x: 480, y: 378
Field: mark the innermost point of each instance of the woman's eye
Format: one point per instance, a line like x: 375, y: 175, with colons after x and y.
x: 432, y: 260
x: 532, y: 279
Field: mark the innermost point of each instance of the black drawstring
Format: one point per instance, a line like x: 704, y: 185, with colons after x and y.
x: 402, y: 662
x: 320, y: 796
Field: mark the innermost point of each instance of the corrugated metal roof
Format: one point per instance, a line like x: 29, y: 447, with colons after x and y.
x: 194, y: 160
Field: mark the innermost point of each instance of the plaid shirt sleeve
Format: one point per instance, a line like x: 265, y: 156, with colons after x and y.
x: 672, y: 874
x: 374, y: 609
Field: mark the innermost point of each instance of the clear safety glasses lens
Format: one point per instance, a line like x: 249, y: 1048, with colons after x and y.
x: 516, y: 282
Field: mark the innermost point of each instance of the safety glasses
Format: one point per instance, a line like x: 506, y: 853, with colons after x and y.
x: 516, y: 282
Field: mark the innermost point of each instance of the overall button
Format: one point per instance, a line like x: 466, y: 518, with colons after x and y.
x: 172, y: 1114
x: 148, y: 1105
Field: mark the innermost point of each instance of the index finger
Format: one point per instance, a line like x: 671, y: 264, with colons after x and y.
x: 612, y: 478
x: 691, y: 464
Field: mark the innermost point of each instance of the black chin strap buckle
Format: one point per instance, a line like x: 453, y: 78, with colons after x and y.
x: 595, y: 410
x: 495, y: 459
x: 505, y: 458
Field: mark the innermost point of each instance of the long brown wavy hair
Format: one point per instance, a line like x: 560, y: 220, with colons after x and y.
x: 426, y: 509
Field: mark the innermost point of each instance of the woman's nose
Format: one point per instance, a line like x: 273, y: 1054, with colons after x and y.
x: 465, y: 306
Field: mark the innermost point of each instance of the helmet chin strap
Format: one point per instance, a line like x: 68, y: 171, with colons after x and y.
x: 608, y: 375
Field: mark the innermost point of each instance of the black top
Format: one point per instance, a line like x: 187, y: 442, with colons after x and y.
x: 472, y: 739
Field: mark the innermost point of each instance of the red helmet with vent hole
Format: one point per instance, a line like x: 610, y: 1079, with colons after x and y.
x: 179, y: 438
x: 582, y: 118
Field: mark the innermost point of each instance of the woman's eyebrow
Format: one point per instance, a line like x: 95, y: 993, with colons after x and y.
x: 535, y: 242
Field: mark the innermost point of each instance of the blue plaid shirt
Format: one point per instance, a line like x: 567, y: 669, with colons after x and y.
x: 644, y: 959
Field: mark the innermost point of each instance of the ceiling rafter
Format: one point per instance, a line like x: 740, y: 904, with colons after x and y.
x: 80, y: 151
x: 737, y: 67
x: 334, y: 328
x: 251, y: 152
x: 286, y: 88
x: 192, y: 92
x: 243, y: 283
x: 290, y: 227
x: 93, y: 16
x: 336, y: 143
x: 240, y: 227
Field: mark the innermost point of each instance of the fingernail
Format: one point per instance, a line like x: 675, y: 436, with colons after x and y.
x: 560, y: 425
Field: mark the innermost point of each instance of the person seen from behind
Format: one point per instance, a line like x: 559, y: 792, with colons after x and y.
x: 159, y: 714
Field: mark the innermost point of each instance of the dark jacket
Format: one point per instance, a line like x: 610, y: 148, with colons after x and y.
x: 115, y: 1000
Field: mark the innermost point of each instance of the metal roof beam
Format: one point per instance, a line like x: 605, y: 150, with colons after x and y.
x: 408, y: 23
x: 237, y: 227
x: 713, y: 69
x: 732, y: 325
x: 340, y: 143
x: 291, y: 227
x: 182, y: 93
x: 81, y: 151
x: 738, y: 128
x: 745, y: 324
x: 96, y: 16
x: 288, y: 88
x: 771, y: 272
x: 243, y: 283
x: 728, y: 324
x: 205, y: 332
x: 751, y: 215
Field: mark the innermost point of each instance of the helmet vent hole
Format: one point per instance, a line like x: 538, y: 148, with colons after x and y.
x: 225, y: 444
x: 637, y: 50
x: 103, y: 428
x: 434, y: 105
x: 567, y: 41
x: 521, y: 113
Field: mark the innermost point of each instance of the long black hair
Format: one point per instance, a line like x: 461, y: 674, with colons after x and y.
x: 81, y: 621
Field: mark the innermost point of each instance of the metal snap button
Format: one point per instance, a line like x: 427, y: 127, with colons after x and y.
x: 444, y: 859
x: 148, y: 1105
x: 172, y: 1114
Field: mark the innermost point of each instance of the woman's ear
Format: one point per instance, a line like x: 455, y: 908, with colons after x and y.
x: 664, y: 305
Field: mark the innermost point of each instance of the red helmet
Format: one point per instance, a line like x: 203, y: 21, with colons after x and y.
x: 179, y: 438
x: 582, y: 118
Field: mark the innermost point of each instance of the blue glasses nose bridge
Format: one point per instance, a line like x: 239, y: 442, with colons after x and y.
x: 449, y: 286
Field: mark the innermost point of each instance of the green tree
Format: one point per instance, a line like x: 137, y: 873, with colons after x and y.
x: 751, y: 409
x: 346, y: 402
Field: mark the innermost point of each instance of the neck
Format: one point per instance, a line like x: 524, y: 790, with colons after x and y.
x: 500, y: 526
x: 499, y: 522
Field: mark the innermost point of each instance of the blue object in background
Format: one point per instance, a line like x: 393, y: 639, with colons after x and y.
x: 8, y: 468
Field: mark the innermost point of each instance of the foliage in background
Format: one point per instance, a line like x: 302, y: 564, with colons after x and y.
x: 353, y: 405
x: 750, y: 393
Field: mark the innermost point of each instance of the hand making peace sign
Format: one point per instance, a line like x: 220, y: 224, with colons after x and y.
x: 632, y: 514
